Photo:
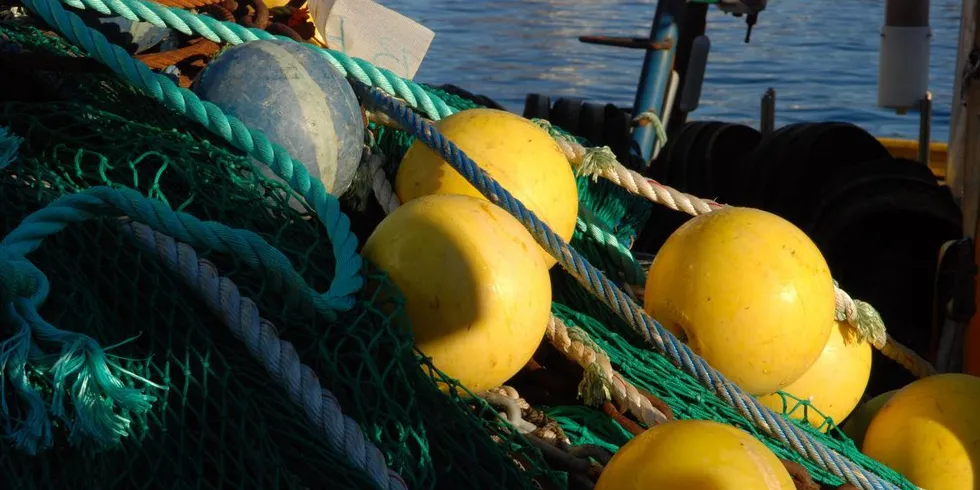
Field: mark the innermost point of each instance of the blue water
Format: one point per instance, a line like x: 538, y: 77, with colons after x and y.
x: 821, y: 56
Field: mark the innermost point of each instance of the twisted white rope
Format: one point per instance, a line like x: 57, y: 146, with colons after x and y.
x: 576, y: 346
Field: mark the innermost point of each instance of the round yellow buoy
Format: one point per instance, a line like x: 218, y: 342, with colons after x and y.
x: 694, y: 454
x: 748, y: 291
x: 834, y: 383
x: 930, y: 432
x: 519, y: 155
x: 857, y: 425
x: 477, y: 292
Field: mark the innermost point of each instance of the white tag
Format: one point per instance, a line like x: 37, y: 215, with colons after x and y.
x: 376, y: 34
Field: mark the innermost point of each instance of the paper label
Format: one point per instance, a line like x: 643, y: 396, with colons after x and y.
x: 370, y: 31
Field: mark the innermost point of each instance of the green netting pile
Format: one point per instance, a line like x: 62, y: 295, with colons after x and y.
x: 220, y: 421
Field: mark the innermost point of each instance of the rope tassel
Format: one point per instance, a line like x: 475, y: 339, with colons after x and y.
x: 80, y: 375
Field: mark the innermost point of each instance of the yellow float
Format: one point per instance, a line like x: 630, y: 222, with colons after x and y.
x: 519, y: 155
x: 930, y: 432
x: 834, y: 384
x: 748, y: 291
x: 857, y: 425
x: 477, y: 292
x: 694, y: 454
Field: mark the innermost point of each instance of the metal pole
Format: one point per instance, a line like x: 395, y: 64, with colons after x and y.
x: 767, y: 120
x: 655, y: 77
x: 925, y: 128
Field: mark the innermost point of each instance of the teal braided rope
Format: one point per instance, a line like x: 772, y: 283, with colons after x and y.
x: 102, y: 200
x: 82, y: 368
x: 590, y: 277
x: 218, y: 31
x: 347, y: 278
x: 621, y: 255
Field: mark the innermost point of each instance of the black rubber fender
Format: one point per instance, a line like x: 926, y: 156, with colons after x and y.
x: 565, y: 114
x: 813, y: 159
x: 755, y: 168
x: 537, y: 106
x: 727, y: 146
x: 857, y: 176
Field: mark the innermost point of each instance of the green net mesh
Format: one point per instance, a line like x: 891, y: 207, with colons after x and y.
x: 222, y: 423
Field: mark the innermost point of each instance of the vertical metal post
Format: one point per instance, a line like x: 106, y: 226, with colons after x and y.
x: 655, y: 77
x: 767, y: 120
x: 925, y: 127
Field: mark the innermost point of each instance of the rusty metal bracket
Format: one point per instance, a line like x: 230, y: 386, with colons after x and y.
x: 627, y: 42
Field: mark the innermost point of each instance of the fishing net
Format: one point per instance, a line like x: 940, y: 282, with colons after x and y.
x: 220, y: 421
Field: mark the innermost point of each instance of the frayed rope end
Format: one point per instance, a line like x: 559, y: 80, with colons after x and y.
x: 28, y: 429
x: 87, y: 393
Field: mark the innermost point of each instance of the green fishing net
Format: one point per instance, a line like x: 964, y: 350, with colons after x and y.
x: 221, y: 422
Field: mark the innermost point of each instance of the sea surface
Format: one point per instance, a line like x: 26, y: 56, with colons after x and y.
x: 821, y: 57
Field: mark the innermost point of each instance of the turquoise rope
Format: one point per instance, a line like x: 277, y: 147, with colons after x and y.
x: 82, y: 369
x: 347, y: 278
x: 600, y: 286
x: 218, y: 31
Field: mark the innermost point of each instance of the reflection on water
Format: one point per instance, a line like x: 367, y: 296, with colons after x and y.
x: 821, y: 57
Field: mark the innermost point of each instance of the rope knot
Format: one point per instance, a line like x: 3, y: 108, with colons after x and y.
x: 596, y: 161
x: 594, y: 388
x: 869, y: 324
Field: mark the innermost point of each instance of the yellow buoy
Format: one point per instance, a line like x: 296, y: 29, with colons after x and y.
x: 834, y: 383
x: 930, y: 432
x: 748, y: 291
x: 857, y: 424
x: 519, y: 155
x: 477, y: 292
x: 694, y: 454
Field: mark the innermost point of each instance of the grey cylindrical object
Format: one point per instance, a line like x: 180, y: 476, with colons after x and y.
x: 903, y: 59
x: 694, y: 78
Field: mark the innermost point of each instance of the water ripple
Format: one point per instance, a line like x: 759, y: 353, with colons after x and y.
x: 821, y: 57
